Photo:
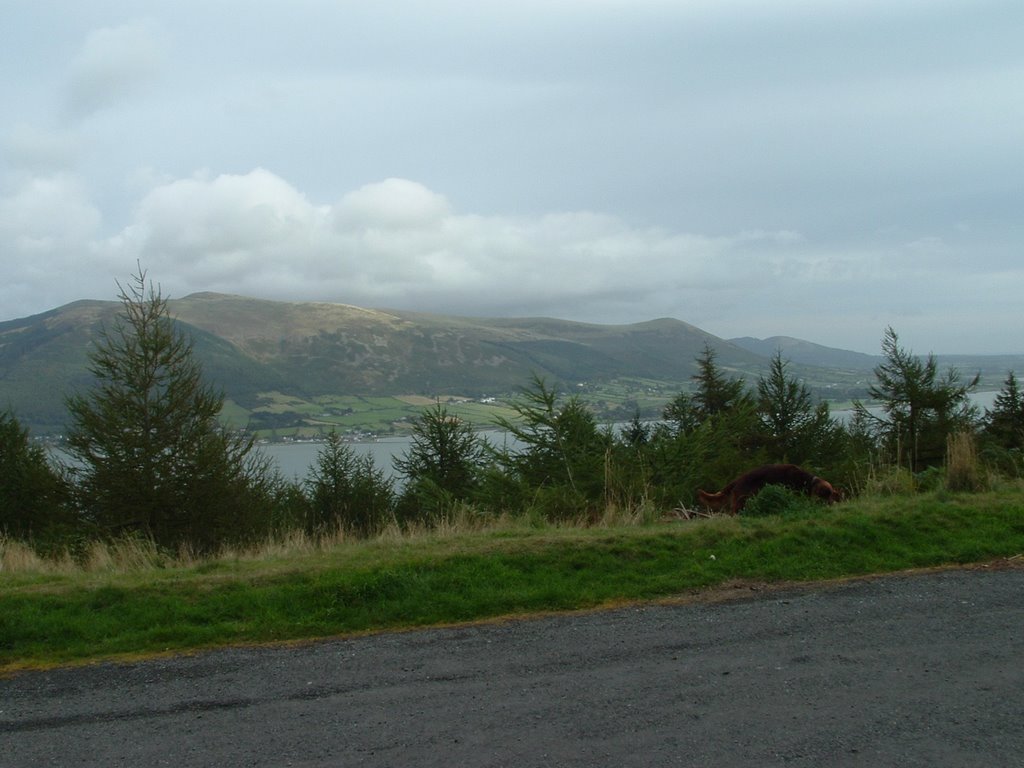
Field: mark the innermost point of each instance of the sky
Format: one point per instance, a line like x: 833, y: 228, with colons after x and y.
x: 821, y: 169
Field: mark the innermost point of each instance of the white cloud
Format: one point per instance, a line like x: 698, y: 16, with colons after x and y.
x: 48, y: 214
x: 391, y: 204
x: 399, y: 243
x: 48, y: 230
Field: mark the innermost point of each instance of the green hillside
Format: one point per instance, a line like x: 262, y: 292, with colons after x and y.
x: 283, y: 365
x: 294, y: 368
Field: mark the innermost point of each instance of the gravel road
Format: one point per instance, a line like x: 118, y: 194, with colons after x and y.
x: 910, y: 670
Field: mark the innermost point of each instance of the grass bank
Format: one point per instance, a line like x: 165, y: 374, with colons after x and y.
x: 357, y: 587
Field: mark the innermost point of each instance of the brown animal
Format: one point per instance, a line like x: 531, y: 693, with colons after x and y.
x: 736, y: 493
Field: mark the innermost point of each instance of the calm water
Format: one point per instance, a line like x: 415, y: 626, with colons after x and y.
x: 296, y: 459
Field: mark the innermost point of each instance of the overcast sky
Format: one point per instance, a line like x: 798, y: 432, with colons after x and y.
x: 810, y: 168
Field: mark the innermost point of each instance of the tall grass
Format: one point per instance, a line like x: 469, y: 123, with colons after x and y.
x: 963, y: 470
x: 18, y: 557
x: 130, y: 601
x: 139, y: 555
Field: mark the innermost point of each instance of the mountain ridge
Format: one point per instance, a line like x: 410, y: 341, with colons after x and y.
x: 305, y: 350
x: 807, y: 352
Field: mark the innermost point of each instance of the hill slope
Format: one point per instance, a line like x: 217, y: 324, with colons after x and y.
x: 309, y: 351
x: 252, y: 346
x: 808, y: 353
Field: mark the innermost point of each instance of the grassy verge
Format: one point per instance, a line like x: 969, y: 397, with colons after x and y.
x: 427, y: 580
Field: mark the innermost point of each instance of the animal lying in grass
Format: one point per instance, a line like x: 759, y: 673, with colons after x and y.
x: 736, y: 493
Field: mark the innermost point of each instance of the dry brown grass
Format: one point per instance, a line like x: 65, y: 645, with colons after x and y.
x: 136, y: 555
x: 963, y: 470
x: 18, y: 557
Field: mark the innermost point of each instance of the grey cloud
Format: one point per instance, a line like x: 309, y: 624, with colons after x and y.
x: 811, y: 169
x: 115, y: 64
x: 36, y: 150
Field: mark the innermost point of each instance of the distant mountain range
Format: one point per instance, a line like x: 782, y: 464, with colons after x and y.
x: 808, y: 353
x: 252, y: 346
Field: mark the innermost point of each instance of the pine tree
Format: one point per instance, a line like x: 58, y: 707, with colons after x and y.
x: 716, y: 393
x: 921, y: 409
x: 32, y: 493
x: 347, y: 491
x: 785, y: 410
x: 1004, y: 423
x: 442, y: 464
x: 151, y: 455
x: 795, y: 430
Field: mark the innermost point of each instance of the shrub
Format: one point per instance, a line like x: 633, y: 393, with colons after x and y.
x: 775, y: 500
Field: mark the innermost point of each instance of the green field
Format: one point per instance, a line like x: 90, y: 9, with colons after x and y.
x: 277, y: 415
x: 67, y: 615
x: 286, y: 416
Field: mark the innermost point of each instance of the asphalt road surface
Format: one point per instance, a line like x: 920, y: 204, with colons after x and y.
x: 914, y: 670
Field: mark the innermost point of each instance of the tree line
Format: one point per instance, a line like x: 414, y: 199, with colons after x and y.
x: 151, y: 458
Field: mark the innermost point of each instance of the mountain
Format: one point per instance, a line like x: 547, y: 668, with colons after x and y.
x: 993, y: 368
x: 808, y: 353
x: 320, y: 347
x: 282, y: 356
x: 252, y: 346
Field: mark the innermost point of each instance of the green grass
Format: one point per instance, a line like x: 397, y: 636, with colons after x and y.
x: 359, y: 587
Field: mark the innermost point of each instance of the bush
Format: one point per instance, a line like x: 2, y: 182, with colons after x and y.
x: 775, y: 500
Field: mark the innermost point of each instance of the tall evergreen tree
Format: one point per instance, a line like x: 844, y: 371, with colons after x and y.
x: 785, y: 410
x: 32, y: 493
x: 921, y: 408
x: 151, y: 455
x: 716, y: 393
x: 1004, y: 422
x: 442, y: 464
x: 795, y: 430
x: 560, y: 457
x: 347, y: 491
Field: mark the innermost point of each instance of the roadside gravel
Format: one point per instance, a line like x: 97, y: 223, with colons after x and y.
x: 908, y: 670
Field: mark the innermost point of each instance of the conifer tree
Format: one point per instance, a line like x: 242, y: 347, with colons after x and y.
x: 347, y: 491
x: 1004, y: 422
x: 795, y: 430
x: 921, y: 408
x: 32, y: 493
x: 151, y: 456
x: 716, y: 393
x: 442, y: 464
